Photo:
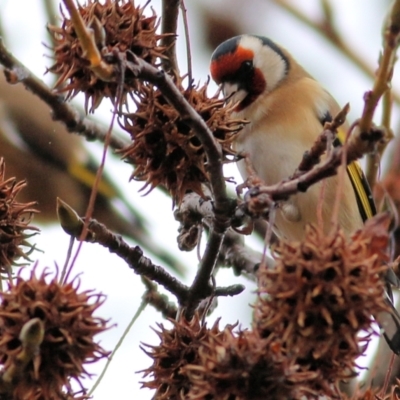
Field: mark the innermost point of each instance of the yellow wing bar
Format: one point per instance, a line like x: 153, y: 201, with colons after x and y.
x: 363, y: 193
x: 87, y: 175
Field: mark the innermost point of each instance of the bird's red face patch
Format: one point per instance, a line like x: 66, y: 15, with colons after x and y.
x: 229, y: 63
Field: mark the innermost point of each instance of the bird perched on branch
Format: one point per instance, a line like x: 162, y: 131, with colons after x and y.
x: 287, y: 109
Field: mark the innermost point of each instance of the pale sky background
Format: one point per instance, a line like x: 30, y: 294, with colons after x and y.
x: 24, y: 22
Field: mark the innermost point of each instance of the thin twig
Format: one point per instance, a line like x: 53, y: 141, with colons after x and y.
x: 51, y: 16
x: 223, y: 206
x: 187, y: 39
x: 67, y: 259
x: 63, y: 112
x: 373, y: 160
x: 159, y: 301
x: 212, y: 148
x: 383, y: 76
x: 328, y: 32
x: 169, y: 25
x: 381, y: 85
x: 234, y: 254
x: 191, y: 214
x: 133, y: 256
x: 259, y: 198
x: 243, y: 260
x: 99, y: 172
x: 143, y: 266
x: 103, y: 70
x: 319, y: 147
x: 201, y: 282
x: 139, y: 311
x: 232, y: 290
x: 388, y: 374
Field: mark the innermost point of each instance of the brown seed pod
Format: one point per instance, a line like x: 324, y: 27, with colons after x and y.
x: 321, y: 294
x: 67, y: 341
x: 178, y: 347
x: 165, y: 149
x: 118, y: 27
x: 242, y: 366
x: 15, y: 220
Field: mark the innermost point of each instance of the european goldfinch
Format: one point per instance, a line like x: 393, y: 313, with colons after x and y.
x: 286, y: 109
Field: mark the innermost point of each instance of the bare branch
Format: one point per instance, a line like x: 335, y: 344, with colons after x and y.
x: 212, y: 148
x: 313, y: 157
x: 259, y: 198
x: 328, y: 31
x: 103, y: 70
x: 223, y: 206
x: 63, y: 112
x: 133, y: 256
x: 239, y: 257
x: 159, y: 301
x: 169, y: 25
x: 232, y: 290
x: 192, y: 213
x: 382, y: 81
x: 187, y: 39
x: 195, y: 211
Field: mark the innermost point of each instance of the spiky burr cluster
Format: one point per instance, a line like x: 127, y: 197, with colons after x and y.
x: 119, y: 27
x: 178, y: 347
x: 68, y: 342
x: 322, y: 293
x: 165, y: 149
x: 311, y: 308
x: 15, y: 220
x: 195, y: 362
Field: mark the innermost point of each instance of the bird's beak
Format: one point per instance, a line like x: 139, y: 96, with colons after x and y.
x: 229, y: 89
x: 233, y: 93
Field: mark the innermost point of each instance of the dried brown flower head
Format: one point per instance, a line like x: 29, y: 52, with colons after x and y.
x: 165, y: 149
x: 242, y: 366
x: 119, y: 27
x: 15, y: 218
x: 178, y: 347
x: 68, y: 341
x: 322, y: 292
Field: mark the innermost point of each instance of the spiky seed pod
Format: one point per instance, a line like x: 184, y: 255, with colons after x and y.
x: 119, y: 27
x: 15, y: 220
x: 165, y: 149
x: 68, y: 341
x: 179, y: 346
x: 242, y: 366
x: 321, y: 294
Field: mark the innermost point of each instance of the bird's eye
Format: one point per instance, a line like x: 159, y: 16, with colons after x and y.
x: 246, y: 66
